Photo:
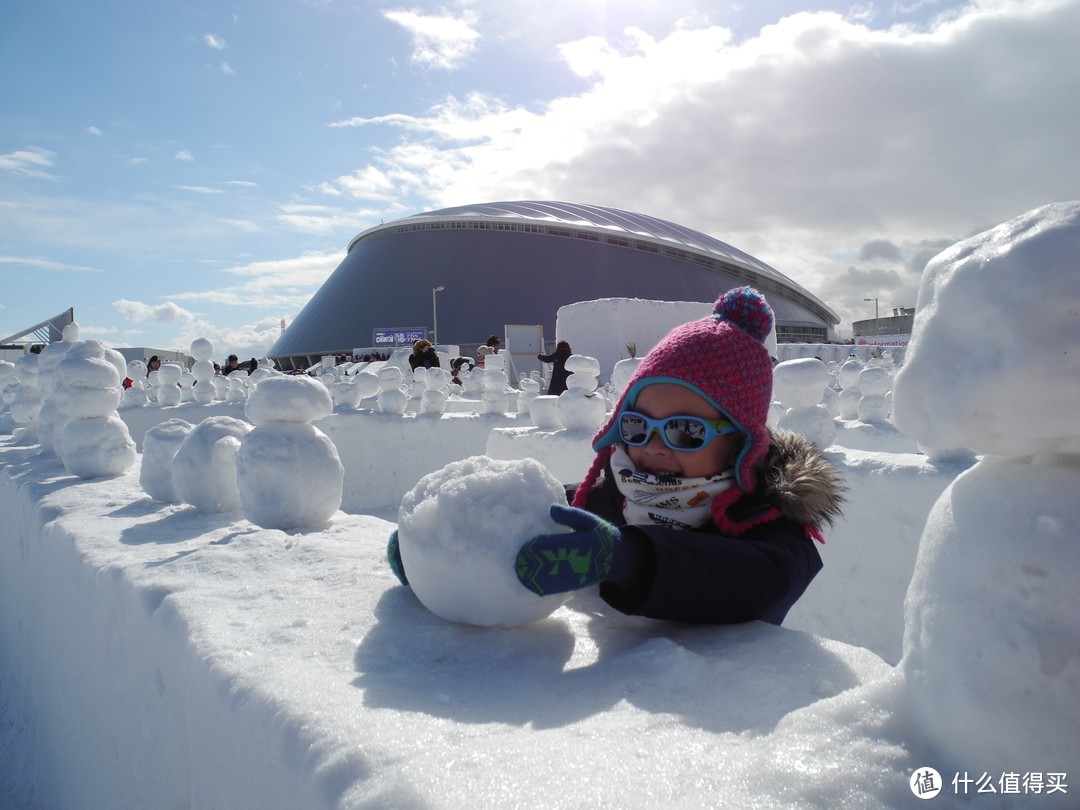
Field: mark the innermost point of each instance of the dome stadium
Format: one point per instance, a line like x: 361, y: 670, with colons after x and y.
x: 461, y: 274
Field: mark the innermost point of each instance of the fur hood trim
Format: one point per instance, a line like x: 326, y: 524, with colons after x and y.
x: 799, y: 481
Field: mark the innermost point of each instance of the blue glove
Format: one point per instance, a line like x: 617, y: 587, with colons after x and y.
x: 393, y: 556
x: 556, y: 563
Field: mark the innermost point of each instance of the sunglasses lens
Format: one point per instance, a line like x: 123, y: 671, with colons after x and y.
x: 685, y: 434
x: 633, y: 428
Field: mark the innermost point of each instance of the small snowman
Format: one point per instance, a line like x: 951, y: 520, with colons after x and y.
x: 495, y: 381
x: 204, y: 468
x: 288, y: 471
x: 799, y: 385
x: 204, y: 390
x: 26, y: 399
x: 991, y: 656
x: 93, y: 442
x: 581, y: 406
x: 624, y: 369
x: 237, y: 390
x: 433, y: 395
x: 874, y: 383
x: 169, y: 393
x: 367, y: 388
x: 160, y: 445
x: 848, y: 379
x: 392, y: 396
x: 530, y: 390
x: 135, y: 395
x: 459, y: 531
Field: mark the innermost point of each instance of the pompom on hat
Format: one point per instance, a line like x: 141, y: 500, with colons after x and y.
x: 722, y: 357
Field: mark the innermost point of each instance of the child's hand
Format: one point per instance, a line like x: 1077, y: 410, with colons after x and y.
x: 393, y: 556
x: 555, y: 563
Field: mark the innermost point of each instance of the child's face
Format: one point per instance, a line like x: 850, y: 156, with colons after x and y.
x: 668, y: 399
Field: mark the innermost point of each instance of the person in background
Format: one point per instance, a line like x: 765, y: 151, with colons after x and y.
x: 231, y: 364
x: 494, y: 343
x: 481, y: 354
x: 693, y: 509
x: 252, y: 365
x: 559, y: 374
x: 153, y: 364
x: 423, y: 355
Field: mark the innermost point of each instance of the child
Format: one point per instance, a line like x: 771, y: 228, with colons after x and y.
x: 693, y: 510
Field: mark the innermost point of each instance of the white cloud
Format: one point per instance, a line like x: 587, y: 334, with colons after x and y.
x: 136, y: 161
x: 30, y: 161
x: 799, y: 145
x: 227, y: 69
x: 183, y: 154
x: 46, y: 264
x: 440, y: 41
x: 215, y: 42
x: 200, y: 189
x: 160, y: 313
x: 93, y: 131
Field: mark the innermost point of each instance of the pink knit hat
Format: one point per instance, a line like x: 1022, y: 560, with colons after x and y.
x: 723, y: 358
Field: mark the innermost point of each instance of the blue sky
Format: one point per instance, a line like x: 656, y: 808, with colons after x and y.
x: 184, y: 169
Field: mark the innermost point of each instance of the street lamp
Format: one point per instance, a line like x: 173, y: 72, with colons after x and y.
x: 875, y: 313
x: 435, y: 315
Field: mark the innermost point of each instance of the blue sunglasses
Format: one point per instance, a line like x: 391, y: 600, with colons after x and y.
x: 677, y: 432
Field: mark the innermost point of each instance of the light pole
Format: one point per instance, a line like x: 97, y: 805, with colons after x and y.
x: 435, y: 315
x: 875, y: 313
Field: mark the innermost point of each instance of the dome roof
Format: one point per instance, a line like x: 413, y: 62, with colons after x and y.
x: 517, y: 262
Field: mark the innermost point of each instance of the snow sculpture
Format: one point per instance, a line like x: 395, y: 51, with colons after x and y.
x: 581, y: 406
x: 367, y: 386
x: 169, y: 392
x: 459, y: 530
x: 135, y: 396
x: 392, y: 397
x: 848, y: 378
x: 495, y: 399
x: 204, y: 390
x: 288, y: 471
x: 433, y: 396
x: 26, y: 400
x: 530, y: 390
x: 799, y: 385
x: 1000, y: 544
x: 93, y: 442
x: 50, y: 421
x: 874, y: 383
x: 345, y: 392
x: 160, y: 445
x: 622, y: 373
x: 204, y: 468
x: 237, y: 390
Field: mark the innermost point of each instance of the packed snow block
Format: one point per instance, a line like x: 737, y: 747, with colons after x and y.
x: 385, y: 454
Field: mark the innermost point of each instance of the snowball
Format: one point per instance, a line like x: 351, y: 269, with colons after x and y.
x: 288, y: 399
x: 583, y: 364
x: 204, y: 469
x: 289, y: 474
x: 460, y: 529
x: 201, y: 349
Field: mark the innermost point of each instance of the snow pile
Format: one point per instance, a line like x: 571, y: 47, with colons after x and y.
x: 460, y: 529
